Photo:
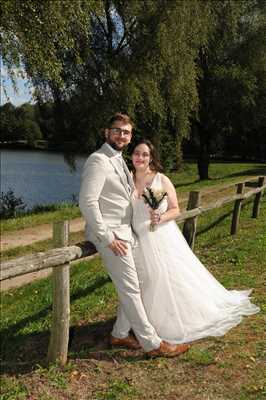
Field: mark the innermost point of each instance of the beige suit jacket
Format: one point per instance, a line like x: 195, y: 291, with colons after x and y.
x: 104, y: 199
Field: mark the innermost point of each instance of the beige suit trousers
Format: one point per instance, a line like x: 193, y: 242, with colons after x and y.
x: 131, y: 312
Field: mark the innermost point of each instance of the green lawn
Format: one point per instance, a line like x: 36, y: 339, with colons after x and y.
x: 34, y: 219
x: 226, y: 368
x: 219, y: 173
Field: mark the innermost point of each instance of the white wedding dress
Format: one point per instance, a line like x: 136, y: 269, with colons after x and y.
x: 183, y: 301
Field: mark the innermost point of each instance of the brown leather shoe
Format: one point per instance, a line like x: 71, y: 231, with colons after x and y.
x: 168, y: 350
x: 129, y: 342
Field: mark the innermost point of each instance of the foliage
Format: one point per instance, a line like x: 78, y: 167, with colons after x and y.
x: 33, y: 31
x: 233, y: 84
x: 20, y: 124
x: 139, y: 55
x: 14, y: 207
x: 10, y: 205
x: 170, y: 64
x: 31, y: 132
x: 11, y: 389
x: 8, y: 123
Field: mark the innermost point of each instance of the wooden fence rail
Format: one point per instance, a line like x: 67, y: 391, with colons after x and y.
x: 60, y: 258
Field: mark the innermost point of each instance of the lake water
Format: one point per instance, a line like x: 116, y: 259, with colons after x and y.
x: 39, y: 177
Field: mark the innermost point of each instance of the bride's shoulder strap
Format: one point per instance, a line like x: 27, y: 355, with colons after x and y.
x: 159, y: 179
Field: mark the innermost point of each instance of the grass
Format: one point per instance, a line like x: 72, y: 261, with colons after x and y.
x: 117, y: 389
x: 220, y: 173
x: 198, y: 356
x: 224, y: 368
x: 37, y: 218
x: 184, y: 181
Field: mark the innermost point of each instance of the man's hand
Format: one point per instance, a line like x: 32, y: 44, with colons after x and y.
x: 118, y: 247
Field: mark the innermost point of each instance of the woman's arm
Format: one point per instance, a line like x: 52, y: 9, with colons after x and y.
x: 173, y: 208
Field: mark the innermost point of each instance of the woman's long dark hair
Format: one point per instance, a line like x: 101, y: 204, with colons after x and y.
x: 155, y: 164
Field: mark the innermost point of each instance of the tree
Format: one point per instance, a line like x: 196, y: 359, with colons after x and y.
x: 46, y: 120
x: 138, y: 57
x: 8, y: 123
x: 32, y: 33
x: 164, y: 62
x: 29, y: 131
x: 20, y: 123
x: 232, y: 80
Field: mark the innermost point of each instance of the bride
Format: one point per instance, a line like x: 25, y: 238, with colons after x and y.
x: 183, y: 301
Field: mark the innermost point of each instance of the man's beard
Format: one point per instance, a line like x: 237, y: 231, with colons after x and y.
x: 115, y: 147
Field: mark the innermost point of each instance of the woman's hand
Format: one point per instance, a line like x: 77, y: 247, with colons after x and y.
x: 155, y: 216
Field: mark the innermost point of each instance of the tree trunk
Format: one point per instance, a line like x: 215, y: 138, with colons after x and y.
x: 203, y: 166
x: 204, y: 154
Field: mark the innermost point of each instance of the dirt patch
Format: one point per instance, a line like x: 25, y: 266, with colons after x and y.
x: 34, y: 234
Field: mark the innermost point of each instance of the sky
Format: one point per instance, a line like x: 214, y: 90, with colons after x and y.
x: 23, y: 93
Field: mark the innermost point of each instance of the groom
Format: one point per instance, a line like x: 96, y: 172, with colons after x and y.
x: 104, y: 201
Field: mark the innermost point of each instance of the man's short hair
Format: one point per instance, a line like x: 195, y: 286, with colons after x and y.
x: 121, y: 117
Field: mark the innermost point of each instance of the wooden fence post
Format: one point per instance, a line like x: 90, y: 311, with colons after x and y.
x: 190, y: 225
x: 237, y: 209
x: 58, y: 345
x: 256, y: 204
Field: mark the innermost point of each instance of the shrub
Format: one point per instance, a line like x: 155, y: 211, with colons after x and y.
x: 10, y: 205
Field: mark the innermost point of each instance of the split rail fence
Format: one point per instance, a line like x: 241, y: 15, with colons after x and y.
x: 60, y: 258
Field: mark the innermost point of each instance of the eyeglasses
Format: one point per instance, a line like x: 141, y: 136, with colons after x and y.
x: 119, y: 131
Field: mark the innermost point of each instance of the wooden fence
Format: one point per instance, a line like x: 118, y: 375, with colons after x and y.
x: 60, y: 257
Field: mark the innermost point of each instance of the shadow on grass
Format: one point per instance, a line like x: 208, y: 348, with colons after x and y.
x: 214, y: 223
x: 89, y: 342
x: 258, y: 170
x: 177, y: 185
x: 20, y: 352
x: 12, y: 330
x: 222, y: 218
x: 101, y: 281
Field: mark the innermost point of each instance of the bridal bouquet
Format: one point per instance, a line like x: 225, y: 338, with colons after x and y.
x: 153, y: 199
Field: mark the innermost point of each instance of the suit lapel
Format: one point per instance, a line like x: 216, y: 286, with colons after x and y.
x: 122, y: 172
x: 119, y: 169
